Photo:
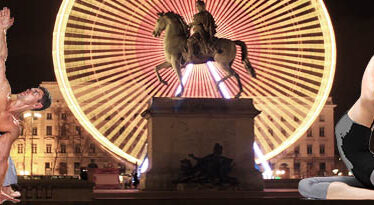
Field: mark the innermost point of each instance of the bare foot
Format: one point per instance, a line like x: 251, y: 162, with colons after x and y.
x: 5, y: 197
x: 9, y: 191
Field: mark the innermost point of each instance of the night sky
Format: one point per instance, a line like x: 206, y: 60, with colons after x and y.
x: 30, y: 45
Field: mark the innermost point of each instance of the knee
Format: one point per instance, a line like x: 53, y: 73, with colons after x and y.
x: 312, y: 188
x: 305, y: 186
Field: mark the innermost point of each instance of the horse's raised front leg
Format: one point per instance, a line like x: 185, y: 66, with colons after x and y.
x: 159, y: 67
x: 176, y: 64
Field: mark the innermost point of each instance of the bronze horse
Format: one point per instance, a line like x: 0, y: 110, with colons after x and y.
x: 176, y: 34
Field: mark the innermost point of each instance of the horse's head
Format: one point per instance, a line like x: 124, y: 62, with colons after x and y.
x: 160, y: 24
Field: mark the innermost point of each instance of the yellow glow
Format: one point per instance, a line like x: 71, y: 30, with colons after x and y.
x: 104, y: 58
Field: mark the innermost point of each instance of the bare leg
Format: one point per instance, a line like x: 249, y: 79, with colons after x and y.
x: 5, y: 145
x: 340, y: 190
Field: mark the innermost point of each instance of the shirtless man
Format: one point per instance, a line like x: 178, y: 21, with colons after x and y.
x: 11, y: 110
x: 353, y: 133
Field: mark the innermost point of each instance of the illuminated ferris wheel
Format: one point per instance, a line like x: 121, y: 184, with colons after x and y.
x: 105, y: 55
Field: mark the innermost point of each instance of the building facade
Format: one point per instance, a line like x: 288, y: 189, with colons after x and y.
x: 52, y: 142
x: 314, y: 153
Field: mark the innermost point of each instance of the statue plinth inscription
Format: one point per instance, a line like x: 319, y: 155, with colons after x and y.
x: 179, y: 127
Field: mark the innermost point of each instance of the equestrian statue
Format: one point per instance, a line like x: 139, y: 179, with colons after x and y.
x: 202, y: 46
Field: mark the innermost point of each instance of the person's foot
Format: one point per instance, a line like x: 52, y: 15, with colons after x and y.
x: 15, y: 194
x: 9, y: 191
x: 5, y: 197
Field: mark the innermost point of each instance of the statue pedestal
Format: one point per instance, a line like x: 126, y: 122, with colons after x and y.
x: 178, y: 127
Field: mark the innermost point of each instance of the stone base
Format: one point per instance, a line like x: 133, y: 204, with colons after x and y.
x: 179, y: 127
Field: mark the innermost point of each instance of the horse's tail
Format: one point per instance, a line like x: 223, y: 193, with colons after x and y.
x: 245, y: 60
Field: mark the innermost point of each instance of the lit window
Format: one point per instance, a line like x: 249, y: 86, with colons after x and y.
x: 63, y: 116
x: 20, y: 148
x: 48, y: 148
x: 34, y: 131
x: 34, y: 148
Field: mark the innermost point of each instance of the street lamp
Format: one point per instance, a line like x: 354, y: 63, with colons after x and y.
x: 32, y: 115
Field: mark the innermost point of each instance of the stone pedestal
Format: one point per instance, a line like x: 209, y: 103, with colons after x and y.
x: 178, y: 127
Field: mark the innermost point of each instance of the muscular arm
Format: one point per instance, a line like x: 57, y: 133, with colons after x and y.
x: 362, y: 112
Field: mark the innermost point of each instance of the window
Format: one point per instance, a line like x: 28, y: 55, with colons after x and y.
x: 34, y: 131
x: 21, y: 131
x: 48, y: 148
x: 34, y: 148
x: 322, y: 131
x: 321, y: 118
x: 322, y: 166
x: 63, y: 169
x: 47, y: 165
x: 49, y: 130
x: 78, y: 130
x: 63, y: 116
x: 92, y: 148
x: 282, y: 119
x: 49, y: 116
x: 309, y: 133
x: 296, y: 119
x: 309, y: 149
x: 77, y: 148
x: 63, y: 148
x: 297, y: 150
x: 296, y: 166
x: 63, y: 131
x: 309, y: 166
x: 77, y: 167
x: 321, y: 149
x: 20, y: 148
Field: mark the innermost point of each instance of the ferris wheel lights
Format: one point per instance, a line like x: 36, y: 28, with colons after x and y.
x: 108, y: 60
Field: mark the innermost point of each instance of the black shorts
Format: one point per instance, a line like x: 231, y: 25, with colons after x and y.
x: 353, y: 141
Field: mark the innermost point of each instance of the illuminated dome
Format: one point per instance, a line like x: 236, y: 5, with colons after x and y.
x: 105, y: 55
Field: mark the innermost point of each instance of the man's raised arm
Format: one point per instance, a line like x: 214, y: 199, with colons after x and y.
x: 5, y: 23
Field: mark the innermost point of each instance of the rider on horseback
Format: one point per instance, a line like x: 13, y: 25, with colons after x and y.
x: 204, y: 28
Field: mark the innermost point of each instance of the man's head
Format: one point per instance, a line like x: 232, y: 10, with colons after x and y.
x: 200, y: 5
x: 35, y: 99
